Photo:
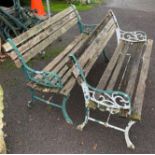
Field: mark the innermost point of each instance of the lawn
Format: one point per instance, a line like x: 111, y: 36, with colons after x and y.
x: 59, y: 5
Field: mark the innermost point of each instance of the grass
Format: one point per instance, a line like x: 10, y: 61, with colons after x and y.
x: 49, y: 55
x: 59, y: 5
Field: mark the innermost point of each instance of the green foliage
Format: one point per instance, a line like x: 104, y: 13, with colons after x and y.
x: 59, y: 5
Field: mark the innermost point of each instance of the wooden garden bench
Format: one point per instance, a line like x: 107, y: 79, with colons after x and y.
x: 121, y: 88
x: 56, y: 76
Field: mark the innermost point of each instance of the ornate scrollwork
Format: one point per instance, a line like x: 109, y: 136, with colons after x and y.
x: 106, y: 100
x: 113, y: 102
x: 135, y: 36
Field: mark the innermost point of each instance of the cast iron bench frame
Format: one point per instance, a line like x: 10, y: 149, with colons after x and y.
x: 121, y: 89
x: 55, y: 77
x: 59, y: 71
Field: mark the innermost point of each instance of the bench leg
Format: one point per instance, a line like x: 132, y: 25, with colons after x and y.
x: 64, y: 110
x: 61, y: 106
x: 130, y: 145
x: 126, y: 133
x: 81, y: 126
x: 29, y: 103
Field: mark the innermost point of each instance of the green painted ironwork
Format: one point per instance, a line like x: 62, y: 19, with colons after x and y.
x: 46, y: 79
x: 84, y: 28
x: 11, y: 25
x: 43, y: 78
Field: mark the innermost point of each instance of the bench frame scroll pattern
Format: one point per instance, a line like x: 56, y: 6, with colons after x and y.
x: 130, y: 36
x: 107, y: 100
x: 49, y: 79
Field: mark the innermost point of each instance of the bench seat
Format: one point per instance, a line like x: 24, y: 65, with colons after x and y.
x: 121, y: 88
x: 127, y: 72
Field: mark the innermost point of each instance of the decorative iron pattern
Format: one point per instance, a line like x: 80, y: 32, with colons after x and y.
x: 107, y: 100
x: 44, y: 78
x: 135, y: 36
x: 113, y: 102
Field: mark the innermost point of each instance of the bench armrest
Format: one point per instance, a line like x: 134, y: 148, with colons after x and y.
x: 113, y: 101
x: 132, y: 36
x: 44, y: 78
x: 87, y: 28
x: 110, y: 100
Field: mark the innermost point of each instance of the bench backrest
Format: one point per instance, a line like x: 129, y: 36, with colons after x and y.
x: 36, y: 39
x: 102, y: 35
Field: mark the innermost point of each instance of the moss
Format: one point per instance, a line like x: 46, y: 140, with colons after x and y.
x: 8, y: 65
x: 50, y: 54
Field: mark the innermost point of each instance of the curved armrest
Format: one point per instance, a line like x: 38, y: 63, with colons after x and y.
x: 44, y: 78
x: 134, y: 36
x: 113, y: 101
x: 88, y: 28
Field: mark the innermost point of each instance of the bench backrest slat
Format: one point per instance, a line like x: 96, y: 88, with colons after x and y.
x: 89, y: 56
x: 41, y: 36
x: 41, y: 46
x: 36, y: 29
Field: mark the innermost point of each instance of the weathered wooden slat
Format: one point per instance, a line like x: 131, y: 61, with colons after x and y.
x: 41, y: 36
x: 94, y: 49
x: 118, y: 67
x: 38, y: 28
x: 140, y: 92
x: 107, y: 73
x: 134, y: 69
x: 74, y: 46
x: 61, y: 59
x: 40, y: 47
x: 102, y: 45
x: 69, y: 81
x: 100, y: 39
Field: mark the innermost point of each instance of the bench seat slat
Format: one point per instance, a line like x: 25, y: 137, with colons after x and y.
x: 140, y: 91
x: 136, y: 56
x: 64, y: 57
x: 107, y: 73
x: 94, y: 49
x: 117, y: 69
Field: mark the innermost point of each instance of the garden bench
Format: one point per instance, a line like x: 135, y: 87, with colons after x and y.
x: 55, y: 78
x: 120, y: 90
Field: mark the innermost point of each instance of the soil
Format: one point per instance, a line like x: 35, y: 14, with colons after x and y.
x: 43, y: 129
